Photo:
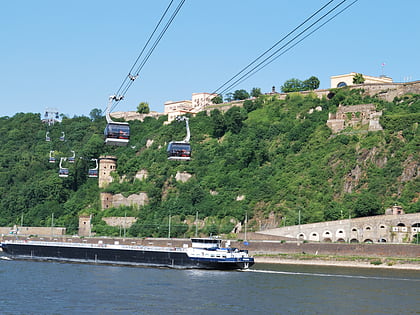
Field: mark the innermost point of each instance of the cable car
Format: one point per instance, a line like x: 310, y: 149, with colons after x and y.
x: 72, y: 158
x: 93, y: 172
x: 116, y: 133
x: 63, y: 172
x: 47, y: 137
x: 51, y: 158
x: 180, y: 150
x: 62, y: 136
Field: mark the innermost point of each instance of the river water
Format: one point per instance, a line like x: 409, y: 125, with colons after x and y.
x: 30, y: 287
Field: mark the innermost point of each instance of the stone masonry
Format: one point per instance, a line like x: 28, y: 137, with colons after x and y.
x: 392, y: 228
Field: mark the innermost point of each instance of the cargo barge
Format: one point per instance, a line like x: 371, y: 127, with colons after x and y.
x: 205, y: 253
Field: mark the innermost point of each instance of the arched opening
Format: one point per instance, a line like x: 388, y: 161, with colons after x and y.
x: 382, y: 227
x: 301, y: 236
x: 368, y: 228
x: 354, y: 230
x: 368, y: 241
x: 341, y: 240
x: 341, y: 84
x: 354, y: 240
x: 327, y: 240
x: 382, y: 240
x: 401, y: 224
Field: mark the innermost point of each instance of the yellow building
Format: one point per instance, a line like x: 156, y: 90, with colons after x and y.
x: 347, y: 79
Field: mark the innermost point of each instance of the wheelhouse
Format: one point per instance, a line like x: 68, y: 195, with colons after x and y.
x: 206, y: 243
x: 179, y: 151
x: 117, y: 133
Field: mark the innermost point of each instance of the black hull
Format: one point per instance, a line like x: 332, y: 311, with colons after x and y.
x: 157, y: 258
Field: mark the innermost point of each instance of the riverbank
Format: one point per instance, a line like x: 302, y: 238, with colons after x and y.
x: 384, y: 263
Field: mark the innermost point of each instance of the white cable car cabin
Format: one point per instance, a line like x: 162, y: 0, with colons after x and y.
x: 72, y: 158
x: 93, y: 172
x: 63, y: 172
x: 51, y: 159
x: 47, y: 137
x: 62, y: 138
x: 116, y: 133
x: 180, y: 150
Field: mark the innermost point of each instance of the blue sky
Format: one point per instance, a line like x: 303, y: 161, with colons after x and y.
x: 71, y: 55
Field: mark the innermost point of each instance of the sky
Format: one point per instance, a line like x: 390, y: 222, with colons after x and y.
x: 72, y: 55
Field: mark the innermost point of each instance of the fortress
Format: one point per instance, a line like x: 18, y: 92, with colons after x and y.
x: 393, y: 227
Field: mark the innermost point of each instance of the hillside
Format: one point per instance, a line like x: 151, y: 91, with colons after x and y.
x: 270, y: 160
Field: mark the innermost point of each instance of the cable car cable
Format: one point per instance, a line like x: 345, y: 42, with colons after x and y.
x: 275, y: 58
x: 260, y: 56
x: 129, y: 79
x: 144, y: 47
x: 260, y: 65
x: 282, y: 47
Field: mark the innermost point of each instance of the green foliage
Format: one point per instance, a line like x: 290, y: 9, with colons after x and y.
x: 143, y: 108
x: 217, y: 99
x: 240, y: 95
x: 272, y: 153
x: 256, y: 92
x: 296, y: 85
x: 358, y: 78
x: 292, y: 85
x: 311, y: 84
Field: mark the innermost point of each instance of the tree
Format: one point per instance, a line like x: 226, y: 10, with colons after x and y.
x: 255, y: 92
x: 96, y: 114
x: 143, y: 108
x: 218, y: 122
x: 358, y: 78
x: 311, y: 84
x: 366, y: 205
x: 240, y: 95
x: 217, y: 99
x: 229, y: 97
x: 292, y: 85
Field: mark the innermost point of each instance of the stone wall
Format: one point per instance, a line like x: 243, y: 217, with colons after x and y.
x: 354, y: 115
x: 381, y: 228
x: 124, y: 222
x: 33, y: 230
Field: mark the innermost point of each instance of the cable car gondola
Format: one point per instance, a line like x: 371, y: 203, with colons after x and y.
x: 51, y: 159
x: 63, y: 172
x: 62, y: 138
x: 180, y: 150
x: 72, y: 158
x: 93, y: 172
x: 47, y: 137
x: 116, y: 133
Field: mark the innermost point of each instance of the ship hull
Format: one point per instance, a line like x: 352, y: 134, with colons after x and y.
x: 98, y: 255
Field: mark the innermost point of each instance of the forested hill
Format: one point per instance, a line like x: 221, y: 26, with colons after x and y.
x: 270, y: 160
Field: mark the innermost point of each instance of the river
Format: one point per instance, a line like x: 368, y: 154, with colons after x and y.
x: 30, y: 287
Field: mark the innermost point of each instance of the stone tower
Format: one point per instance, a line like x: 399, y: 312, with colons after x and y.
x: 85, y: 227
x: 107, y: 164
